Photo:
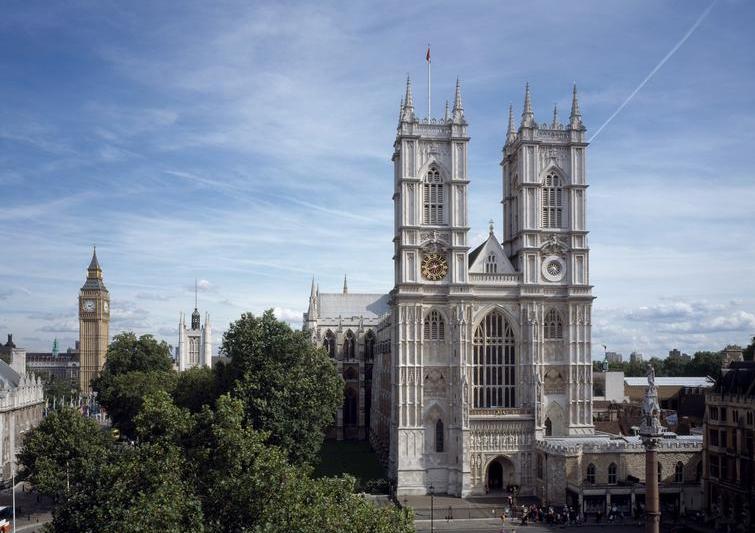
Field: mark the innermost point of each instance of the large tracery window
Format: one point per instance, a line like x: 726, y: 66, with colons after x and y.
x: 434, y: 327
x: 554, y: 328
x: 330, y: 343
x: 348, y: 345
x: 494, y: 378
x: 432, y: 200
x: 552, y: 202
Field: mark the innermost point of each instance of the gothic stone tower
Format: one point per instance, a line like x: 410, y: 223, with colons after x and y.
x: 94, y: 321
x: 489, y: 348
x: 545, y: 237
x: 431, y: 275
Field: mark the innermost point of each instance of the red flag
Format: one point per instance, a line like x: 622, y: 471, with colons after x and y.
x: 427, y: 57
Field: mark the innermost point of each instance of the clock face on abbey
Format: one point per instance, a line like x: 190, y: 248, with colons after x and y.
x: 434, y: 267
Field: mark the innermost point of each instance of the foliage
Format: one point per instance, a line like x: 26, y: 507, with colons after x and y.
x: 122, y: 395
x: 56, y: 387
x: 749, y: 352
x: 127, y: 353
x: 196, y: 388
x: 160, y: 420
x: 134, y: 368
x: 682, y: 365
x: 141, y: 489
x: 62, y: 447
x: 290, y: 389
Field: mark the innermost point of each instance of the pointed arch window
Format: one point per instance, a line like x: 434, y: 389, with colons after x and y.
x: 350, y: 407
x: 612, y: 474
x: 494, y: 363
x: 439, y: 436
x: 330, y: 343
x: 433, y: 198
x: 491, y: 264
x: 348, y: 345
x: 369, y: 345
x: 434, y: 327
x: 591, y: 474
x: 554, y: 328
x: 552, y: 202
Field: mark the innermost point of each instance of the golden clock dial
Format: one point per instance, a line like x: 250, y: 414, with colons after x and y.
x: 434, y: 267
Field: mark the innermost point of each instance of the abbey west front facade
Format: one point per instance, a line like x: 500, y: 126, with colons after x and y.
x: 480, y: 352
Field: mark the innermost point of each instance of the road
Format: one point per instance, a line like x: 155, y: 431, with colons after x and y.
x: 483, y: 525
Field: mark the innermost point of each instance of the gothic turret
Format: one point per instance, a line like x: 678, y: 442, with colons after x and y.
x: 407, y: 112
x: 511, y: 132
x: 528, y: 117
x: 575, y: 117
x: 554, y: 123
x: 458, y: 110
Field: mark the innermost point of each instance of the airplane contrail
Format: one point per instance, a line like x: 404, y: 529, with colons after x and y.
x: 657, y: 67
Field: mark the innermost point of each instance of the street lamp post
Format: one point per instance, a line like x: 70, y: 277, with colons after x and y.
x: 432, y: 508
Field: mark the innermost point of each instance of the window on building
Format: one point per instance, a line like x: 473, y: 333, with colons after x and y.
x: 540, y: 467
x: 722, y: 438
x: 679, y: 472
x: 491, y: 265
x: 591, y: 474
x: 548, y: 427
x: 552, y: 202
x: 434, y: 327
x: 713, y: 412
x: 433, y: 198
x: 749, y: 418
x: 714, y: 466
x: 699, y: 471
x: 330, y: 343
x: 612, y: 474
x: 369, y: 345
x: 439, y: 436
x: 494, y: 363
x: 554, y: 329
x: 660, y: 472
x: 348, y: 345
x: 713, y: 435
x: 723, y: 414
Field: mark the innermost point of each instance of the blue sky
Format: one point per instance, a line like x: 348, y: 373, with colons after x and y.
x: 248, y: 145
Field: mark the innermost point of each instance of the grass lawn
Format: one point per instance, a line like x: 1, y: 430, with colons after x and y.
x: 349, y: 457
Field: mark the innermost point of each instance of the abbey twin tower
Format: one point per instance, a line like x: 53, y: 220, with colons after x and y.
x: 477, y: 354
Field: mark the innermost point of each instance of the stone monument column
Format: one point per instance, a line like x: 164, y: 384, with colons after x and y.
x: 651, y: 432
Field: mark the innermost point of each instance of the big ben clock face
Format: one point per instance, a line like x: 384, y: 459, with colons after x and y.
x: 434, y: 267
x: 88, y: 305
x: 106, y: 306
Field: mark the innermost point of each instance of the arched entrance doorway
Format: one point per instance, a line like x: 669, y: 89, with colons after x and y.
x: 500, y: 474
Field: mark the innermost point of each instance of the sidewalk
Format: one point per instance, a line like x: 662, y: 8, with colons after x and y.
x: 32, y: 510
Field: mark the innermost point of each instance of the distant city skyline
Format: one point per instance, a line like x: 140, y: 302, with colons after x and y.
x: 250, y: 148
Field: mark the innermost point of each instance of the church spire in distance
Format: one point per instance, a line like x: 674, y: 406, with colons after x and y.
x: 345, y: 285
x: 458, y: 110
x: 407, y: 109
x: 554, y: 124
x: 195, y: 314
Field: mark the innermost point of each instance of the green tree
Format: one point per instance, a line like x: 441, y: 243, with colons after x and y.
x: 676, y: 365
x: 196, y: 388
x: 59, y: 388
x: 748, y: 353
x: 706, y: 364
x: 123, y: 395
x: 141, y: 489
x: 135, y: 367
x: 161, y: 420
x: 290, y: 389
x: 64, y: 446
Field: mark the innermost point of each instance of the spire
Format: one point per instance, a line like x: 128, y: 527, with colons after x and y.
x: 407, y: 109
x: 312, y: 293
x: 345, y: 285
x: 195, y: 314
x: 554, y: 124
x: 511, y: 132
x: 94, y: 264
x: 528, y: 117
x: 458, y: 110
x: 575, y: 117
x: 445, y: 115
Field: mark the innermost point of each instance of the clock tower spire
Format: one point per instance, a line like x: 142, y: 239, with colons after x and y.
x: 94, y: 322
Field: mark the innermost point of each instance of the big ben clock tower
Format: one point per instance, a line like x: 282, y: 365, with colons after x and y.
x: 94, y: 322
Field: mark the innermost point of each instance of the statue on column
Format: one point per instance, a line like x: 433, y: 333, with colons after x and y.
x: 651, y: 411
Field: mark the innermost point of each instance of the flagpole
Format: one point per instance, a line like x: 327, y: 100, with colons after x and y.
x: 429, y: 62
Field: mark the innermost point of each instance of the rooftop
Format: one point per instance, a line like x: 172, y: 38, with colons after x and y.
x: 671, y: 382
x: 334, y: 305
